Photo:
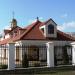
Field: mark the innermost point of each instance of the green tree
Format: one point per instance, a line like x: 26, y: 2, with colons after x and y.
x: 25, y: 62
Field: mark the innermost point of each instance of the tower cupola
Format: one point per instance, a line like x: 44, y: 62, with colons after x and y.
x: 13, y: 23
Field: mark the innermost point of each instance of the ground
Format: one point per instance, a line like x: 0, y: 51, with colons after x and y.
x: 53, y: 73
x: 64, y: 70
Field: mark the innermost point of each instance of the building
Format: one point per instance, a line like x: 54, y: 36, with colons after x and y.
x: 42, y: 42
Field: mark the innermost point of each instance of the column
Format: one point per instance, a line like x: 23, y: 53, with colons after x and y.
x: 11, y: 56
x: 50, y: 54
x: 73, y: 53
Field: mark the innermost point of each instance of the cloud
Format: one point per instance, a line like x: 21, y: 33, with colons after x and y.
x: 67, y: 26
x: 64, y: 15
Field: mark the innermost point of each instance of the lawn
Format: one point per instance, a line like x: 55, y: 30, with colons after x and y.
x: 64, y: 70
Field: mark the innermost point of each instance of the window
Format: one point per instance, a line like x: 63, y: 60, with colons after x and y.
x: 42, y: 30
x: 50, y: 29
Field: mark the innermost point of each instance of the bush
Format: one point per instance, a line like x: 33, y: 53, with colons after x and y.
x: 3, y: 66
x: 25, y: 62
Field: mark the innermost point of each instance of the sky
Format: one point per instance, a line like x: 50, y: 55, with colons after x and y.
x: 26, y: 11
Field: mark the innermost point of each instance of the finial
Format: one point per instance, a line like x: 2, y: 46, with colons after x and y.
x: 37, y: 18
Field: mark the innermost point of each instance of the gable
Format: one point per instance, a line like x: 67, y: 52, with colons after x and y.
x: 49, y: 29
x: 12, y: 33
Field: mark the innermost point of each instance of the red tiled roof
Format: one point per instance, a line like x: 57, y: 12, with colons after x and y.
x: 61, y: 36
x: 5, y: 41
x: 32, y: 32
x: 15, y: 28
x: 6, y: 31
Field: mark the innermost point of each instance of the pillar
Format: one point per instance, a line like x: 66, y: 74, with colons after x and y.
x: 50, y: 54
x: 11, y: 56
x: 73, y: 53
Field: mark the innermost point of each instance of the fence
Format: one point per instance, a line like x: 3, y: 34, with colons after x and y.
x: 33, y: 55
x: 3, y: 56
x: 63, y: 55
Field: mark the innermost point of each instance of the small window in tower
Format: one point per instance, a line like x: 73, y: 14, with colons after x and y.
x: 50, y: 29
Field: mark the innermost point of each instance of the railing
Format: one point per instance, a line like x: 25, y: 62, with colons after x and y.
x: 31, y: 55
x: 59, y: 56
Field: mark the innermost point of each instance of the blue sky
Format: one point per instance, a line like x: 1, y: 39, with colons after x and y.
x: 26, y: 11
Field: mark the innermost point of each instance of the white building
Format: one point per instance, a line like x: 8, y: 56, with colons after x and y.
x: 42, y: 42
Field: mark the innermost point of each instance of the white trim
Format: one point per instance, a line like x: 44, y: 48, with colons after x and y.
x: 44, y: 26
x: 41, y: 42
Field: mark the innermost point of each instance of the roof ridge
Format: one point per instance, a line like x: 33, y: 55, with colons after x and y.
x: 25, y: 33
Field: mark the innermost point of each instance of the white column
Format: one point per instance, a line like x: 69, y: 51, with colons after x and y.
x: 50, y: 54
x: 73, y: 53
x: 11, y: 56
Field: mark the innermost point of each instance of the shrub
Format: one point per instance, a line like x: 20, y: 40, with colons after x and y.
x: 25, y: 62
x: 3, y: 66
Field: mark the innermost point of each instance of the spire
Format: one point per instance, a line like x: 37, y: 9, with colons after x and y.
x: 14, y: 21
x: 13, y: 14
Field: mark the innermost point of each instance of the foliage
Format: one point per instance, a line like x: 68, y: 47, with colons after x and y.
x: 3, y: 66
x: 25, y: 62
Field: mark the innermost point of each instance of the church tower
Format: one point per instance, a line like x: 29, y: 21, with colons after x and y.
x: 13, y: 23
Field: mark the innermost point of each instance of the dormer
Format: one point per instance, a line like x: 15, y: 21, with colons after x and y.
x: 49, y: 29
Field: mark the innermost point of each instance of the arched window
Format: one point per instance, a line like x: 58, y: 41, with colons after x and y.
x: 50, y: 29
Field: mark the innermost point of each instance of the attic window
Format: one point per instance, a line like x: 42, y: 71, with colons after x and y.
x: 50, y: 29
x: 42, y: 30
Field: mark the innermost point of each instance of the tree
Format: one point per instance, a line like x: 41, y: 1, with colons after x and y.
x: 25, y: 62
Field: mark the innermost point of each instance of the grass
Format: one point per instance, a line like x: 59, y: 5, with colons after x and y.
x: 65, y: 70
x: 55, y: 73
